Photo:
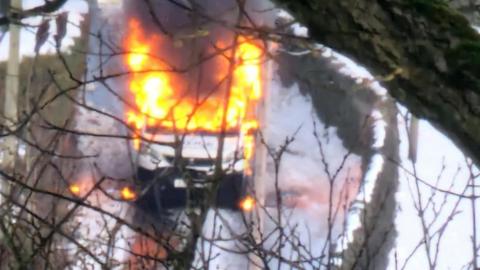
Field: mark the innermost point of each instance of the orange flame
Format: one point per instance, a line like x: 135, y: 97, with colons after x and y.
x: 128, y: 194
x: 81, y: 185
x: 159, y: 102
x: 74, y: 189
x: 247, y: 204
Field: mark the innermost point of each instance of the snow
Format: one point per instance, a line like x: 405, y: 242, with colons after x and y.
x: 100, y: 233
x: 378, y: 129
x: 223, y: 225
x: 435, y: 150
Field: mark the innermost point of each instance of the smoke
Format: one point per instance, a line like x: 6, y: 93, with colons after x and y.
x: 180, y: 16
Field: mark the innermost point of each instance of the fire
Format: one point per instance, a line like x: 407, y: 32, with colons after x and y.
x: 81, y: 186
x: 247, y: 204
x: 74, y: 189
x: 128, y: 194
x: 159, y: 102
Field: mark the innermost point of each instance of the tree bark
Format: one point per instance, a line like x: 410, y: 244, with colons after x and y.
x: 426, y: 52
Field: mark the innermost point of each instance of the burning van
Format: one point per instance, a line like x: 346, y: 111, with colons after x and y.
x: 194, y: 126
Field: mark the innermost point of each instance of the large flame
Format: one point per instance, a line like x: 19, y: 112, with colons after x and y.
x: 160, y: 103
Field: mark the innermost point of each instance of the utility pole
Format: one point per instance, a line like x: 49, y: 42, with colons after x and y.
x: 10, y: 114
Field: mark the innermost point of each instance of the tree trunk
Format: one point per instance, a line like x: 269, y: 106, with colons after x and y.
x: 426, y: 52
